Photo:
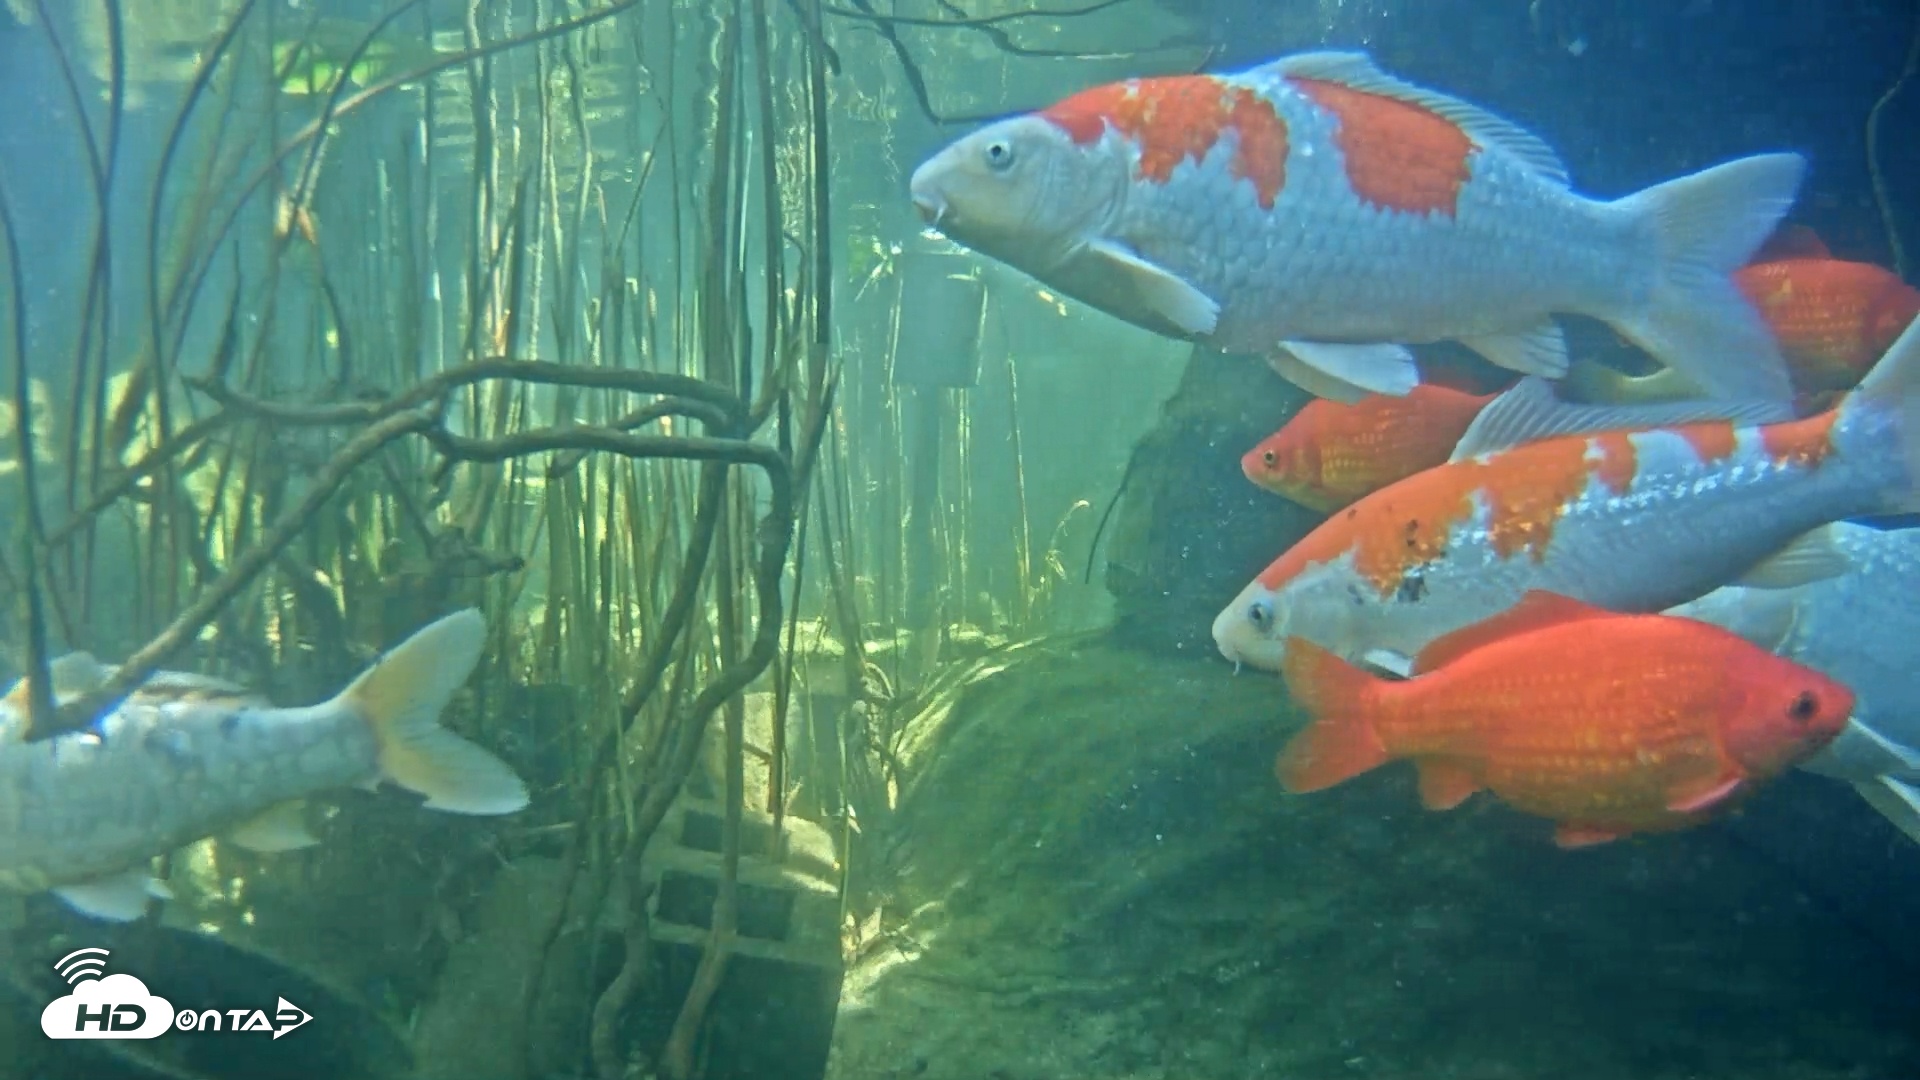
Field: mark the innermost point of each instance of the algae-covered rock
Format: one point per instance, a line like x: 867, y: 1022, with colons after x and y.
x: 1191, y: 529
x: 1093, y: 874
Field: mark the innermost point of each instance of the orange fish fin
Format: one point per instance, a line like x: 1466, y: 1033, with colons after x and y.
x: 1693, y: 799
x: 1341, y: 743
x: 1445, y: 784
x: 1569, y: 835
x: 1535, y: 610
x: 1791, y: 241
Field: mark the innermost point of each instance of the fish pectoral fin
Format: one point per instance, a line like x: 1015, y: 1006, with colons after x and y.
x: 1532, y: 410
x: 120, y: 897
x: 1813, y: 556
x: 75, y: 674
x: 1445, y: 784
x: 1389, y: 662
x: 1346, y: 372
x: 1897, y: 801
x: 1536, y: 350
x: 1169, y: 295
x: 1694, y: 799
x: 280, y: 827
x: 1569, y: 835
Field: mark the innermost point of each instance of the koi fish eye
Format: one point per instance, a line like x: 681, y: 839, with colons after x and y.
x: 1803, y: 708
x: 999, y: 155
x: 1260, y: 614
x: 1270, y: 458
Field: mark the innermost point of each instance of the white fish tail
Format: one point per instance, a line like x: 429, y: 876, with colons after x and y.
x: 402, y: 697
x: 1706, y: 225
x: 1897, y: 801
x: 1892, y: 390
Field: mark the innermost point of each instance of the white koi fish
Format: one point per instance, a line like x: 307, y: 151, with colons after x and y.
x: 186, y: 757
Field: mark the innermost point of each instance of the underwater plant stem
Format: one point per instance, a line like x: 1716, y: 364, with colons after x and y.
x: 603, y: 1035
x: 978, y: 20
x: 242, y: 571
x: 41, y: 716
x: 1880, y: 195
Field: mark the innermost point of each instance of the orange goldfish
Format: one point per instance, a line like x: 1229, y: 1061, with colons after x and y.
x: 1332, y: 453
x: 1660, y: 723
x: 1833, y: 318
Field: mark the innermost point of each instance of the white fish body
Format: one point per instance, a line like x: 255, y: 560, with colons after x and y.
x: 1863, y: 629
x: 1323, y: 213
x: 186, y: 757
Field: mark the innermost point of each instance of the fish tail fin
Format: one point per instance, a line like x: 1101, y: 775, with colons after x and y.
x: 1341, y: 742
x: 1893, y: 388
x: 1896, y: 800
x: 402, y: 695
x: 1695, y: 319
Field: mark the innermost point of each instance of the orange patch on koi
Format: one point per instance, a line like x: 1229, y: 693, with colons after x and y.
x: 1179, y: 117
x: 1398, y: 155
x: 1408, y: 525
x: 1803, y: 443
x: 1711, y: 441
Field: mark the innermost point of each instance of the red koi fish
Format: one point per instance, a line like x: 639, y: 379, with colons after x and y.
x: 1662, y: 723
x: 1323, y: 213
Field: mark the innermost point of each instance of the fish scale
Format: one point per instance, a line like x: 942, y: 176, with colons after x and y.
x: 1347, y: 270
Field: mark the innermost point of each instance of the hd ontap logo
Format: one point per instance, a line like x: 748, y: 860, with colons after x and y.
x: 119, y: 1006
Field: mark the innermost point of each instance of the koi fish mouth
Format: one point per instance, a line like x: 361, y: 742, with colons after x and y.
x: 931, y: 209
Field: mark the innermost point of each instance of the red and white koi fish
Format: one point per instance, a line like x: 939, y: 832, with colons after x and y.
x: 1595, y: 505
x: 1323, y: 213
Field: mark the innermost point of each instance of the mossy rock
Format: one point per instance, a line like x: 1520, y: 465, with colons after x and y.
x: 1092, y: 873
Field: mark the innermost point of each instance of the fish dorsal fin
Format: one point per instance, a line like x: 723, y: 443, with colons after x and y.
x: 1356, y: 70
x: 1536, y: 610
x: 1531, y: 411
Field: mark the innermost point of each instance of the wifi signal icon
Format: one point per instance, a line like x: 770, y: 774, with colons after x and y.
x: 82, y: 964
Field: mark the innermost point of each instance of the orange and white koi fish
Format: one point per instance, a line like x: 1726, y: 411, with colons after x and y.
x: 1332, y: 453
x: 1325, y: 214
x: 1660, y: 724
x: 1592, y: 504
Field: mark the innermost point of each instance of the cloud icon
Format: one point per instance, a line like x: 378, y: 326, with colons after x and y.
x: 116, y: 1007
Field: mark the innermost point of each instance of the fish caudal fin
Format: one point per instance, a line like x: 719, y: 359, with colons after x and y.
x: 402, y: 696
x: 1341, y: 743
x: 1893, y: 386
x: 1897, y: 801
x: 1706, y: 226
